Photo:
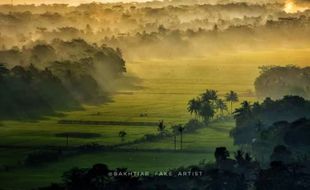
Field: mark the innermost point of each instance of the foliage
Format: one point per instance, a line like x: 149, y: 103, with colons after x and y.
x: 241, y: 173
x: 252, y: 118
x: 206, y: 105
x: 192, y: 125
x: 221, y: 106
x: 30, y: 92
x: 143, y: 29
x: 161, y: 127
x: 281, y: 153
x: 231, y: 97
x: 293, y: 134
x: 61, y: 75
x: 278, y: 81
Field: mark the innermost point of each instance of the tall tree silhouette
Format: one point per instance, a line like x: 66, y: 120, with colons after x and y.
x: 206, y: 111
x: 209, y: 95
x: 181, y: 129
x: 193, y: 106
x: 161, y: 127
x: 243, y: 113
x: 220, y: 105
x: 231, y: 97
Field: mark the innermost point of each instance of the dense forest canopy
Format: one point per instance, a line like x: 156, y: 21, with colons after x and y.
x: 251, y: 118
x: 294, y: 134
x: 277, y: 81
x: 30, y: 92
x: 141, y: 29
x: 41, y: 78
x: 262, y: 126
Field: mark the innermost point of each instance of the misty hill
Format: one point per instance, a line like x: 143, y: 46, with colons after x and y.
x: 45, y: 77
x: 277, y: 81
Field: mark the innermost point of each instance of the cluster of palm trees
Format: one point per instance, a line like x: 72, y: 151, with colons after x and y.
x: 208, y: 104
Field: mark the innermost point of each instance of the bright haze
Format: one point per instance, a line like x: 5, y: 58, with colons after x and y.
x: 71, y: 2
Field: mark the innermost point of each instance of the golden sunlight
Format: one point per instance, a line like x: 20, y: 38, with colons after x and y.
x: 291, y: 7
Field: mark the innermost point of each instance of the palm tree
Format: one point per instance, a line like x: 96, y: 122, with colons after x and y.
x: 193, y: 106
x: 175, y: 141
x: 231, y: 97
x: 245, y: 109
x: 181, y: 129
x: 122, y: 135
x: 209, y: 95
x: 220, y: 104
x: 242, y: 114
x: 206, y: 111
x: 161, y: 127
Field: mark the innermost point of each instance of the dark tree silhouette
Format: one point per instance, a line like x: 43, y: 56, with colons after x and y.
x: 243, y: 113
x: 278, y: 81
x: 220, y: 105
x: 231, y: 97
x: 193, y: 106
x: 122, y: 135
x: 221, y: 153
x: 242, y: 174
x: 161, y: 127
x: 209, y: 95
x: 269, y: 121
x: 281, y: 153
x: 206, y: 111
x: 181, y: 129
x: 206, y: 105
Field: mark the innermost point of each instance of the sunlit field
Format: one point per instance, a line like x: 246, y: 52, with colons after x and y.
x: 164, y: 89
x: 202, y: 140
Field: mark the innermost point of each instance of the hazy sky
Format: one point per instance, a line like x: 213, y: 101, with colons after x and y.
x: 73, y: 2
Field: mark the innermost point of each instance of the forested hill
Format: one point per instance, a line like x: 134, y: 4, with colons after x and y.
x: 46, y: 77
x: 278, y: 81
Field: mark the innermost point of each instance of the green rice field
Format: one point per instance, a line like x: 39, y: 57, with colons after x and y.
x: 164, y: 89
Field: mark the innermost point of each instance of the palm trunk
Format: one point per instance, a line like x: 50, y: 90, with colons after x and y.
x: 175, y: 142
x: 231, y: 107
x: 181, y: 140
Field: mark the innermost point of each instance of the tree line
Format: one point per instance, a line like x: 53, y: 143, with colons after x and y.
x: 260, y: 126
x: 44, y: 78
x: 278, y: 81
x: 29, y: 92
x: 208, y: 104
x: 252, y: 117
x: 229, y: 172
